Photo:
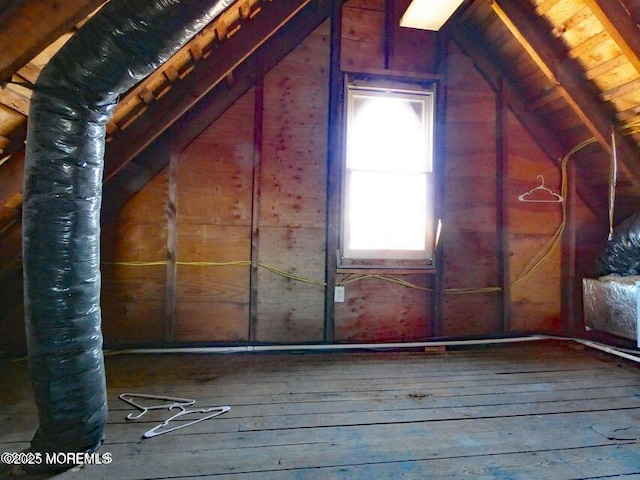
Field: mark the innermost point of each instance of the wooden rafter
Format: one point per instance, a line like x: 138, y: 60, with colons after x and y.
x: 470, y: 44
x: 618, y: 23
x: 25, y: 35
x: 160, y: 115
x: 565, y: 75
x: 136, y: 173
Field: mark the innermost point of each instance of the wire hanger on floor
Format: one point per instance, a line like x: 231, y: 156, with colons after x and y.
x: 550, y: 196
x: 175, y: 402
x: 157, y: 430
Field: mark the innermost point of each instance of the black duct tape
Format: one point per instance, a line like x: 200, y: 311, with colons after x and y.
x: 621, y: 256
x: 73, y: 100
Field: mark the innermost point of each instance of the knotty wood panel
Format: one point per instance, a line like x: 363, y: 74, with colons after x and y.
x: 536, y: 303
x: 293, y: 193
x: 293, y: 182
x: 288, y: 310
x: 413, y: 50
x: 469, y: 232
x: 363, y: 26
x: 215, y: 171
x: 133, y: 297
x: 212, y: 301
x: 376, y: 310
x: 214, y: 181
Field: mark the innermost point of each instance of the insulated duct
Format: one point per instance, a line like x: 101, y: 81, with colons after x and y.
x: 73, y: 100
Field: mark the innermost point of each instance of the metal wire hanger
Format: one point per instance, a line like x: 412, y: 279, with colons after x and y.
x: 551, y: 198
x: 175, y: 402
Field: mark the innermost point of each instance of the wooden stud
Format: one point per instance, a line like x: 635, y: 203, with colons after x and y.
x: 502, y: 202
x: 437, y: 283
x: 570, y: 289
x: 334, y: 160
x: 172, y: 243
x: 389, y: 32
x: 255, y: 205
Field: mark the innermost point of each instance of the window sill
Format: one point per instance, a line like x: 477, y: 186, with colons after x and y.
x: 391, y: 270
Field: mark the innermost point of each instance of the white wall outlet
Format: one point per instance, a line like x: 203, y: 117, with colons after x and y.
x: 338, y: 294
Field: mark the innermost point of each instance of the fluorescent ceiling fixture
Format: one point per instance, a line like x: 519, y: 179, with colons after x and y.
x: 429, y: 14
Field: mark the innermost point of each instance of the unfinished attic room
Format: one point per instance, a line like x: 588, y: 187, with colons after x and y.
x: 320, y: 239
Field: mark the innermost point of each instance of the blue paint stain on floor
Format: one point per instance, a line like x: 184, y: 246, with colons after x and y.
x: 501, y: 474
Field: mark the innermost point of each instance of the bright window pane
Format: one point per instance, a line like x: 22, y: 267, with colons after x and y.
x: 387, y: 211
x: 387, y: 134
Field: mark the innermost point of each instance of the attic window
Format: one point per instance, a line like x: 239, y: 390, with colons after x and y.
x: 388, y: 211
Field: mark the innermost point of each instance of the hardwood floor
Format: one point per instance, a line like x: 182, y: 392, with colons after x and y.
x: 539, y: 410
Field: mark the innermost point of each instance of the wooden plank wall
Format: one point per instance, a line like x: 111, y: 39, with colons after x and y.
x: 214, y: 185
x: 203, y: 209
x: 293, y: 193
x: 469, y: 232
x: 134, y: 297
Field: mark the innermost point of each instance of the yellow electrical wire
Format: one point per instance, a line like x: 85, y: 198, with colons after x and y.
x: 237, y: 263
x: 534, y: 264
x: 291, y: 276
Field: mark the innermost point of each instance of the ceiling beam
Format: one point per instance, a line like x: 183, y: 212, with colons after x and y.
x: 135, y: 174
x: 25, y: 34
x: 208, y: 73
x: 618, y: 23
x: 565, y: 75
x: 470, y: 43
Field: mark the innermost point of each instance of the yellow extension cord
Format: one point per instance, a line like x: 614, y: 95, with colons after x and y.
x: 534, y: 264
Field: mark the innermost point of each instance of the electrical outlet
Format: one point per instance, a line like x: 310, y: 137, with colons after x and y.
x: 338, y: 295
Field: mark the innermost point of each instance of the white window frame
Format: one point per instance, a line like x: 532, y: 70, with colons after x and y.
x: 397, y: 258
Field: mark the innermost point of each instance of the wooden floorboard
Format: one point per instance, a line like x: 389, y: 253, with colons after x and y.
x: 543, y: 410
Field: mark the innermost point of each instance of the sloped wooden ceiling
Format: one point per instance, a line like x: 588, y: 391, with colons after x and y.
x: 212, y: 70
x: 571, y: 69
x: 572, y: 72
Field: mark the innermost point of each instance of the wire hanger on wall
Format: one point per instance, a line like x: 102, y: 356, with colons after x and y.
x: 549, y: 196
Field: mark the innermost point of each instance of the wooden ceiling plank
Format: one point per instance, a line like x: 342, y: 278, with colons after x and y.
x: 621, y: 90
x: 471, y: 10
x: 126, y: 144
x: 546, y: 5
x: 25, y: 35
x: 589, y: 45
x: 546, y: 98
x: 617, y: 21
x: 571, y: 22
x: 566, y: 76
x: 605, y: 67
